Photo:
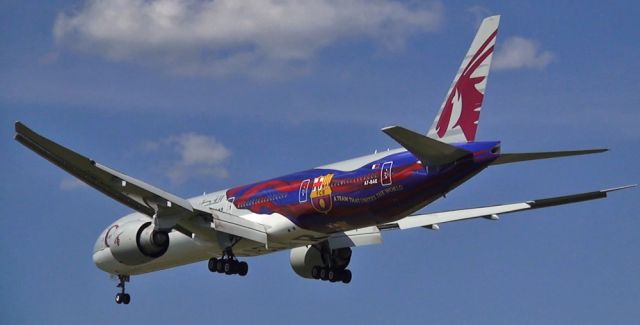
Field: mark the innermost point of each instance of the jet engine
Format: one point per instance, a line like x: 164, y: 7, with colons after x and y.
x: 135, y: 243
x: 304, y: 259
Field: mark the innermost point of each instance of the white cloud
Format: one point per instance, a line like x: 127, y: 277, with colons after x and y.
x: 223, y: 37
x: 479, y: 13
x: 197, y: 155
x: 519, y: 52
x: 71, y: 183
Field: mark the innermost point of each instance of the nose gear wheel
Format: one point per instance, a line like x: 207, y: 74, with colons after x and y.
x: 122, y: 297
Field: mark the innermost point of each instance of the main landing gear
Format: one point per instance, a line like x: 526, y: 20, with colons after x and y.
x: 326, y: 273
x: 334, y: 265
x: 228, y: 264
x: 122, y: 297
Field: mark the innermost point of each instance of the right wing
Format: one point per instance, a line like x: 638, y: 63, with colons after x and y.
x: 372, y: 235
x: 432, y: 220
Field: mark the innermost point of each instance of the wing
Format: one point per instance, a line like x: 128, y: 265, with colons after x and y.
x: 432, y: 220
x: 167, y: 210
x: 371, y: 235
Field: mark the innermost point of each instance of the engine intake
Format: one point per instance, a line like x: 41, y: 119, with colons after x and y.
x: 136, y: 243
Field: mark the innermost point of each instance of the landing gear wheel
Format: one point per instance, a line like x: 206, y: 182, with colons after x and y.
x: 243, y: 268
x: 122, y: 297
x: 346, y: 276
x: 220, y: 266
x: 315, y: 272
x: 324, y: 274
x: 333, y: 275
x: 228, y: 264
x: 212, y: 264
x: 230, y: 267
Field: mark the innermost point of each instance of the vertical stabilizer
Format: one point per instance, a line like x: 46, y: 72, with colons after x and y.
x: 457, y: 120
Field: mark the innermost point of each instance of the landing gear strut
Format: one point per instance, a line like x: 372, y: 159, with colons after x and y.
x: 122, y: 297
x: 228, y: 264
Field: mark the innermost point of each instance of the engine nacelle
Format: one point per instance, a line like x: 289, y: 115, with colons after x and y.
x: 136, y: 242
x: 303, y: 259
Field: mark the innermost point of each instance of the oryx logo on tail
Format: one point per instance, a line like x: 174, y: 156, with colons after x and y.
x: 457, y: 120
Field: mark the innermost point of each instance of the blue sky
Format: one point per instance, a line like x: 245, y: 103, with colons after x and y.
x: 265, y: 96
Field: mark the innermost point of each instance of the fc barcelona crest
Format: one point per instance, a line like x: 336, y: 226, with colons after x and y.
x: 321, y: 193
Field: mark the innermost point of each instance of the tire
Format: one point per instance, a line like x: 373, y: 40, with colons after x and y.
x: 346, y: 276
x: 220, y: 266
x: 126, y: 299
x: 230, y: 267
x: 333, y: 275
x: 324, y: 274
x: 212, y: 264
x: 118, y: 299
x: 315, y: 272
x: 226, y: 267
x: 243, y: 268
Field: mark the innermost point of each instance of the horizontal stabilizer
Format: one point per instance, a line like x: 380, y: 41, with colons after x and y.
x: 431, y: 152
x: 508, y: 158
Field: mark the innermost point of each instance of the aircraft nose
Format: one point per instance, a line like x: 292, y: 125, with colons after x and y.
x: 102, y: 257
x: 100, y: 244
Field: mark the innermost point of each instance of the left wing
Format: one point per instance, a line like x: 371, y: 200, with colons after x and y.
x: 167, y: 210
x: 432, y: 220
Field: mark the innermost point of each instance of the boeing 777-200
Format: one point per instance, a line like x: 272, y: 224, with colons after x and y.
x: 319, y: 214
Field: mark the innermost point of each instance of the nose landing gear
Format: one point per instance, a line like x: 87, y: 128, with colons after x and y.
x: 122, y: 297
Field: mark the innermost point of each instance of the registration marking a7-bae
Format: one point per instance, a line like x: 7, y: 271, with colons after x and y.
x: 319, y: 214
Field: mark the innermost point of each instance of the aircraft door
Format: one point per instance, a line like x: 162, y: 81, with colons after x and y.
x: 229, y: 204
x: 385, y: 173
x: 304, y: 190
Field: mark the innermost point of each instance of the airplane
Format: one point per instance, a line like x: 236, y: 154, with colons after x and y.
x: 318, y: 214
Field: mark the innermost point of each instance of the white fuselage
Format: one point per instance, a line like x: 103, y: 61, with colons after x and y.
x: 282, y: 234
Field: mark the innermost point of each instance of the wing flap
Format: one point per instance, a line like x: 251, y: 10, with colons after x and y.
x: 357, y: 237
x: 234, y: 225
